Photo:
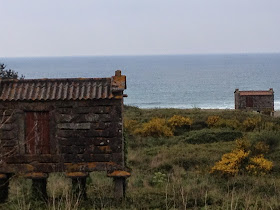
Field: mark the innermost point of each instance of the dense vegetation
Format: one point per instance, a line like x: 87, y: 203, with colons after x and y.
x: 182, y: 159
x: 6, y: 73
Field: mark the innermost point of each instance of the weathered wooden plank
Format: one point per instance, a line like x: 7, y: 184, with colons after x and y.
x: 37, y: 133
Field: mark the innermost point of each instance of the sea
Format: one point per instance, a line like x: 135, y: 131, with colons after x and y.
x: 167, y: 81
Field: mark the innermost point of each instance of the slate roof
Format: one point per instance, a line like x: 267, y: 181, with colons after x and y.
x: 61, y: 89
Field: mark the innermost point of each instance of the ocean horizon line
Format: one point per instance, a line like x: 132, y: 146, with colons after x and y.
x: 144, y: 55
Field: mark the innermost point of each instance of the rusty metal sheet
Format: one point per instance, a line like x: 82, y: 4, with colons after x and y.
x: 37, y: 137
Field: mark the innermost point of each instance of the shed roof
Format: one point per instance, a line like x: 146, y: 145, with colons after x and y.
x: 256, y: 93
x: 61, y: 89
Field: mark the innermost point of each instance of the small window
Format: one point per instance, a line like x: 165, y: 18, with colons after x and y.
x: 37, y: 135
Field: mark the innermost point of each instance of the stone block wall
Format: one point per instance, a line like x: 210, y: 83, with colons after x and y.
x: 85, y: 136
x: 260, y: 103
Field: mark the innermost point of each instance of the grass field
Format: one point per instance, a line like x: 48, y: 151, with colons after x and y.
x: 171, y: 162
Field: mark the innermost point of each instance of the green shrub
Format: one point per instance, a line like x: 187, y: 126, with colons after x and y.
x: 270, y: 138
x: 218, y: 122
x: 199, y: 124
x: 228, y: 123
x: 212, y: 135
x: 269, y: 126
x: 159, y: 179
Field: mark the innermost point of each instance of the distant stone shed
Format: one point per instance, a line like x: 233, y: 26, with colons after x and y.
x: 260, y: 101
x: 62, y: 125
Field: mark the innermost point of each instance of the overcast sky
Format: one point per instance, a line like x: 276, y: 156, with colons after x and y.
x: 143, y: 27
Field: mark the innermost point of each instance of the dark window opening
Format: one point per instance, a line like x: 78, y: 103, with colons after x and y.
x: 37, y: 135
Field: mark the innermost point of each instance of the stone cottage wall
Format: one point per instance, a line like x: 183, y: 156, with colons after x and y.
x: 84, y: 136
x: 260, y: 103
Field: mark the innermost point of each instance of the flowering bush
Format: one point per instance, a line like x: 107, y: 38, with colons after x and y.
x: 218, y: 122
x: 252, y: 123
x: 260, y: 148
x: 155, y: 127
x: 212, y: 120
x: 130, y: 125
x: 231, y: 163
x: 243, y: 144
x: 258, y: 165
x: 242, y: 160
x: 179, y: 121
x: 229, y: 123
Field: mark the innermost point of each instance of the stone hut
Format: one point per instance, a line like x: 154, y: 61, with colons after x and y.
x: 260, y: 101
x: 62, y: 125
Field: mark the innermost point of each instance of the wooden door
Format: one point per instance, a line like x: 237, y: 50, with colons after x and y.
x: 37, y: 135
x: 249, y: 101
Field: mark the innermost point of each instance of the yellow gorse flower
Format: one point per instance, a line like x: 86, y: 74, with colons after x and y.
x: 212, y: 120
x: 155, y: 127
x: 241, y: 159
x: 231, y: 162
x: 259, y: 165
x: 179, y: 121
